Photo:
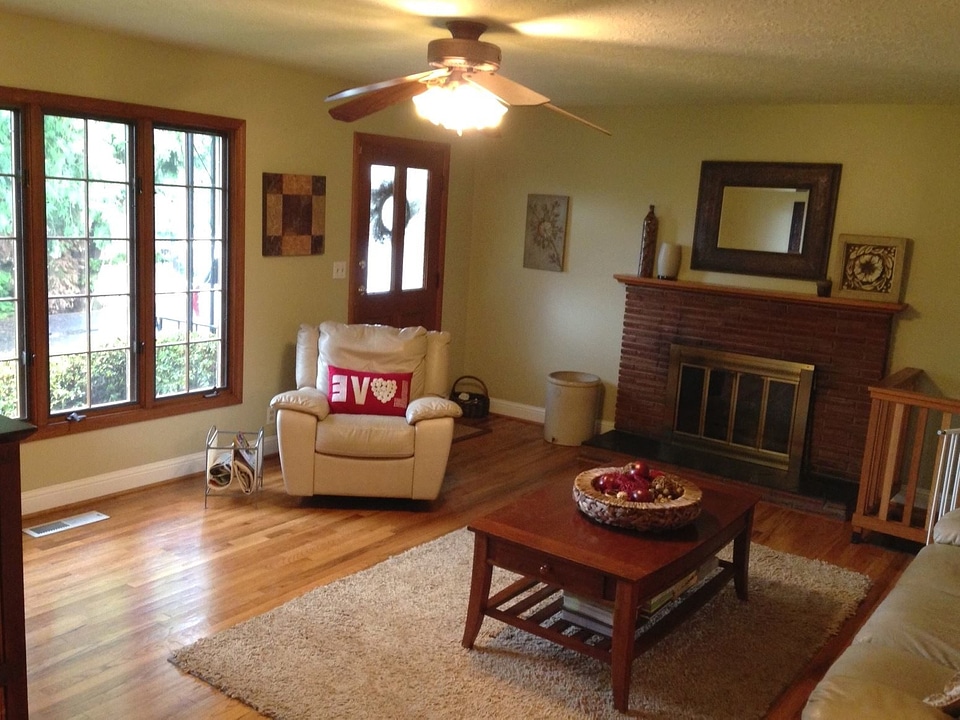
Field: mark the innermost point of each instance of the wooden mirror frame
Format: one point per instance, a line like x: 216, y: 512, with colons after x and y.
x: 823, y: 182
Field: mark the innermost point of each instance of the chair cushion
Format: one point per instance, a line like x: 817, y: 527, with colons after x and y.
x: 367, y: 393
x: 369, y: 436
x: 373, y: 348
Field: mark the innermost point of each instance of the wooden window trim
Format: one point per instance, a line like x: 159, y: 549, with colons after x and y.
x: 33, y: 105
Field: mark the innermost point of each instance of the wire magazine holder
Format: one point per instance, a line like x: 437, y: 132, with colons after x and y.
x: 234, y: 461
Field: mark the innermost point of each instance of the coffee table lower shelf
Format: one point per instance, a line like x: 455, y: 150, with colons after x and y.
x: 515, y: 605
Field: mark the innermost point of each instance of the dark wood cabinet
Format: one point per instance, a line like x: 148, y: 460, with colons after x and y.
x: 13, y: 647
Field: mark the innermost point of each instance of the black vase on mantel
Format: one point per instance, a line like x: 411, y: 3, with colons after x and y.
x: 648, y: 244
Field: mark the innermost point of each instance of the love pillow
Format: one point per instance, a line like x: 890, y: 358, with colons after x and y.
x: 368, y: 393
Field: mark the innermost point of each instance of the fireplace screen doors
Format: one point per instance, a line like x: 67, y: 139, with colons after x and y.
x: 741, y: 406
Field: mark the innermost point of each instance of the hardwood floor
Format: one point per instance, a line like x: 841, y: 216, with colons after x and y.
x: 106, y: 603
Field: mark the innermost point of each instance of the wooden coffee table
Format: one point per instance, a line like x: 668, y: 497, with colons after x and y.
x: 544, y: 538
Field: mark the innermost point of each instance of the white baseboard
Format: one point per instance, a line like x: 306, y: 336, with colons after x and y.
x: 70, y: 493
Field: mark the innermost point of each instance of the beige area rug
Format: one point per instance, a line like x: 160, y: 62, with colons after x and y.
x: 385, y: 643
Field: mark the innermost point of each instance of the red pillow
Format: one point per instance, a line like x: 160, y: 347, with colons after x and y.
x: 368, y: 393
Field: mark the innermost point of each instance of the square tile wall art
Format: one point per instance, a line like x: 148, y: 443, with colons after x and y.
x: 870, y: 267
x: 546, y: 232
x: 294, y: 212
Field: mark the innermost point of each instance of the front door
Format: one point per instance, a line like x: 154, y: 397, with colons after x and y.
x: 398, y: 226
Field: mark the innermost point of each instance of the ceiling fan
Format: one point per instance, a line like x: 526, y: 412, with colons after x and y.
x: 462, y: 62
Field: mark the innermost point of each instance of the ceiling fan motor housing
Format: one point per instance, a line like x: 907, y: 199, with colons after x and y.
x: 463, y: 54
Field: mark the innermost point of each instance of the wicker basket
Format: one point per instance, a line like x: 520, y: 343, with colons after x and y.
x: 636, y: 515
x: 474, y: 404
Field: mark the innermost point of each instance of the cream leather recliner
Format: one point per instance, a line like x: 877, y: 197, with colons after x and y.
x: 329, y: 445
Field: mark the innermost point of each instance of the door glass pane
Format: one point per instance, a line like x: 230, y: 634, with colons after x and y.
x: 380, y: 237
x: 89, y: 309
x: 415, y: 233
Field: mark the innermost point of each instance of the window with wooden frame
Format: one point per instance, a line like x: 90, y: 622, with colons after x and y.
x: 121, y: 261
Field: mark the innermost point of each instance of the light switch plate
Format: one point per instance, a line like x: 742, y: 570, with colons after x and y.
x: 339, y: 270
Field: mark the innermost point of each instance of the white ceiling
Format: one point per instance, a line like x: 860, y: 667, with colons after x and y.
x: 586, y: 52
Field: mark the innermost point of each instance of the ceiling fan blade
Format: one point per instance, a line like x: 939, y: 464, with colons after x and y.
x: 373, y: 87
x: 579, y: 119
x: 512, y: 93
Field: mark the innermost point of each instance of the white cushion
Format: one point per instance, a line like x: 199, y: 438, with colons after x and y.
x: 366, y: 436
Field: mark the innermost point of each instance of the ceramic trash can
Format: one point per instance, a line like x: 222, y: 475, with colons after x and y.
x: 573, y: 400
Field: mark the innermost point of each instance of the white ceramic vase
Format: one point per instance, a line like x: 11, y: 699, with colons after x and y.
x: 668, y: 261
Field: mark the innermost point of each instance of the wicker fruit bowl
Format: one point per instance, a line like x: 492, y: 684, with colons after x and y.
x: 662, y: 514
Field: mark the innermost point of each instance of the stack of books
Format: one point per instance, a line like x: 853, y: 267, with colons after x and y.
x: 597, y: 615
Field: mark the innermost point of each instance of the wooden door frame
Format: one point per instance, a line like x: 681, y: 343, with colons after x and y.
x: 359, y: 215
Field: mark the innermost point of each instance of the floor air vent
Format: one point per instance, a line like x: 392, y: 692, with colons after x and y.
x: 66, y: 524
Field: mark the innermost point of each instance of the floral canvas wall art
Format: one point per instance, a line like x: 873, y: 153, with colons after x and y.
x: 546, y: 232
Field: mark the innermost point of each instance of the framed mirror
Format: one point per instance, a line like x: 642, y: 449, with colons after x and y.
x: 765, y: 218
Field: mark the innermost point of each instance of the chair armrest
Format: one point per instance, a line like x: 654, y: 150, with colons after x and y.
x: 430, y: 408
x: 306, y: 400
x: 947, y: 529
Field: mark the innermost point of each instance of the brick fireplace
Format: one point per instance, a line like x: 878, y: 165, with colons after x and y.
x: 847, y: 341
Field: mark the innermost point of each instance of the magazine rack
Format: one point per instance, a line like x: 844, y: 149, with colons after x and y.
x: 234, y: 462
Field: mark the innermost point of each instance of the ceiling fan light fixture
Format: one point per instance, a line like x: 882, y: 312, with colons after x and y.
x: 457, y: 105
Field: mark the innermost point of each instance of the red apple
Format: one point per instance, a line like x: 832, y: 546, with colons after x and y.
x: 637, y: 468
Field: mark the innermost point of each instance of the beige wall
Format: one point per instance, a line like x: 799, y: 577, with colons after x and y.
x: 512, y: 326
x: 900, y: 176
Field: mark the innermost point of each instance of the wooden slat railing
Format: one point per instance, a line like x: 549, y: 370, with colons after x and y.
x: 900, y: 456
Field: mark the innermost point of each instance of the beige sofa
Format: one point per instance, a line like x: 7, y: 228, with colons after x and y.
x: 907, y: 655
x: 331, y: 450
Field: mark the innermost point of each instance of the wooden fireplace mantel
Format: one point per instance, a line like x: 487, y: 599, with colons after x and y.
x: 889, y: 308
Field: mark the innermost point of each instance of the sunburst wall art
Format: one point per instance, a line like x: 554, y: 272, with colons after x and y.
x: 870, y: 267
x: 546, y: 232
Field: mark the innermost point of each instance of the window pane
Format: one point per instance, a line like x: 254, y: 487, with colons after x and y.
x: 8, y: 205
x: 109, y: 322
x: 109, y: 267
x: 169, y: 156
x: 170, y: 212
x: 10, y: 388
x: 415, y: 233
x: 380, y: 243
x: 68, y: 382
x: 64, y: 151
x: 108, y: 147
x: 190, y: 211
x: 68, y: 326
x: 205, y: 365
x: 66, y: 208
x: 8, y: 142
x: 109, y: 210
x: 11, y: 371
x: 170, y: 266
x: 171, y: 370
x: 89, y: 306
x: 207, y: 213
x: 206, y: 160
